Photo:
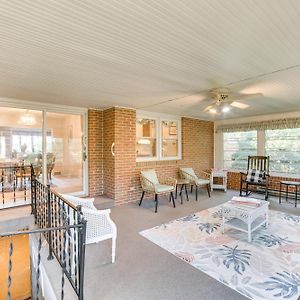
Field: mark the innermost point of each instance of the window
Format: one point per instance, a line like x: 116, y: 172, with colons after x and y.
x: 158, y: 137
x: 237, y: 147
x: 146, y: 138
x: 2, y: 147
x: 283, y: 147
x: 169, y: 132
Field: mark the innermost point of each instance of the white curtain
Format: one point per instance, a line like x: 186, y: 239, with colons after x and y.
x: 261, y: 125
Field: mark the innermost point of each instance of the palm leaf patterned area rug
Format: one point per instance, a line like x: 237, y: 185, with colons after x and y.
x: 266, y: 268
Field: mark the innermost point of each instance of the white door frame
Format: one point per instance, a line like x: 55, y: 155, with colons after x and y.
x: 48, y: 107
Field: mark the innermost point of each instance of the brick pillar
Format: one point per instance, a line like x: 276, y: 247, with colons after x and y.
x: 125, y: 159
x: 95, y: 152
x: 108, y: 158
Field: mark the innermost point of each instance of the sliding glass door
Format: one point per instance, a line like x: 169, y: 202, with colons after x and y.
x: 65, y: 152
x: 53, y: 141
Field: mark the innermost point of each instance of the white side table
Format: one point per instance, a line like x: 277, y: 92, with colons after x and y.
x: 222, y: 174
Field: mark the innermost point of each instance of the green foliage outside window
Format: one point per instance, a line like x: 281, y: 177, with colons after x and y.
x: 237, y: 147
x: 282, y: 145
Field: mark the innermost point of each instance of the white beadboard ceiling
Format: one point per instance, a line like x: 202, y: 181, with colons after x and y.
x: 144, y: 53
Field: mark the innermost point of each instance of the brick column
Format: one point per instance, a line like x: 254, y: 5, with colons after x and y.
x: 125, y: 159
x: 108, y: 158
x: 95, y: 152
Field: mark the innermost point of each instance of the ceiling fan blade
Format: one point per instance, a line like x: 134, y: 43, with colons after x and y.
x: 234, y: 97
x: 209, y: 107
x: 239, y: 105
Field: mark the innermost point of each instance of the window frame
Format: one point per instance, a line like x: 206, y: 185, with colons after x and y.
x: 261, y: 150
x: 223, y: 152
x: 276, y: 173
x: 55, y: 108
x: 159, y: 118
x: 154, y: 158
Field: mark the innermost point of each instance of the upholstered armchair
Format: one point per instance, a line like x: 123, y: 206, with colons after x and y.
x: 99, y: 226
x: 256, y: 176
x: 202, y: 179
x: 151, y: 184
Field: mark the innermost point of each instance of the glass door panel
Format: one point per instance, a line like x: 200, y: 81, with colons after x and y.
x: 65, y: 152
x: 20, y: 145
x: 20, y: 135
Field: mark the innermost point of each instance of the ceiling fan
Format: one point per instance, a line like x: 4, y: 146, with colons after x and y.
x: 224, y: 99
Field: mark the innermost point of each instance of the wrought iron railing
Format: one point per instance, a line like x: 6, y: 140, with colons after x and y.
x: 67, y: 241
x: 15, y: 185
x: 59, y: 222
x: 36, y: 272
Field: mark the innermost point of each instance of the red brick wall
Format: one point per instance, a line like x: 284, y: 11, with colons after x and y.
x: 125, y: 154
x: 118, y: 176
x: 233, y: 180
x: 95, y: 152
x: 197, y: 152
x: 121, y: 172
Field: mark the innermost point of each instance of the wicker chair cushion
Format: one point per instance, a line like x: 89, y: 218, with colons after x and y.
x: 162, y: 188
x: 189, y: 171
x: 256, y: 176
x: 151, y: 176
x: 199, y: 181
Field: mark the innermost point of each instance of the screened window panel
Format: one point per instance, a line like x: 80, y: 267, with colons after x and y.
x: 283, y: 147
x: 237, y: 147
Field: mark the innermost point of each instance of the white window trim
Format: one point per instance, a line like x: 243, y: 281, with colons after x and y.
x: 150, y: 117
x: 158, y: 117
x: 219, y: 142
x: 178, y: 122
x: 261, y: 140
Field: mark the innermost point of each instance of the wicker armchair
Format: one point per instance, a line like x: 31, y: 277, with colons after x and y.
x: 99, y: 226
x: 151, y: 184
x: 190, y: 175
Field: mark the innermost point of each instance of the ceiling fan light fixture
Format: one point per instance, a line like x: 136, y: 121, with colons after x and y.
x: 226, y: 109
x: 223, y: 100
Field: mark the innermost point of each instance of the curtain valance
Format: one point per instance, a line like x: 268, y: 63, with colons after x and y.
x: 260, y: 125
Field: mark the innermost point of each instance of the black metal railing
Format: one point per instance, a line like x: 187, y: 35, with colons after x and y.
x: 67, y: 241
x: 36, y: 276
x: 15, y: 185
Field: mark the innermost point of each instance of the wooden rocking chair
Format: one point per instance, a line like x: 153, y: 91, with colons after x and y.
x: 257, y: 175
